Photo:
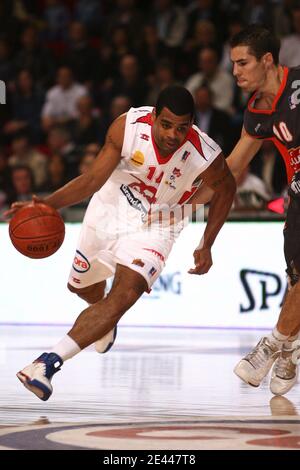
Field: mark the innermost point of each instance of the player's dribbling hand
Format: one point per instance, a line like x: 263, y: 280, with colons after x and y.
x: 203, y: 261
x: 15, y: 206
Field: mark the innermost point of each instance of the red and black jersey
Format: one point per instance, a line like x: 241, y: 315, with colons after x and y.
x: 281, y: 123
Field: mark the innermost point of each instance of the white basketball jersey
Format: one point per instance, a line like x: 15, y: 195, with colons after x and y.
x: 144, y: 178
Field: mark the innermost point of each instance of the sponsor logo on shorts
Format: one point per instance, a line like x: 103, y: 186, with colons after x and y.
x: 137, y: 158
x: 156, y: 253
x: 77, y: 281
x: 152, y: 271
x: 138, y: 262
x: 81, y: 263
x: 133, y: 201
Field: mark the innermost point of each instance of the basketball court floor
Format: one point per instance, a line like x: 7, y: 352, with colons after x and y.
x: 158, y: 388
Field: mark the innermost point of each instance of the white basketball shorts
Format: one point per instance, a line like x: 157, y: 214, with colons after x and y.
x: 98, y: 253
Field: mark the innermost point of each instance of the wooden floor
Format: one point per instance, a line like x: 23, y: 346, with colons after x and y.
x: 156, y: 389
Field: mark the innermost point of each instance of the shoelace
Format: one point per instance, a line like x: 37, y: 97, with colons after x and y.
x: 284, y: 368
x: 260, y: 354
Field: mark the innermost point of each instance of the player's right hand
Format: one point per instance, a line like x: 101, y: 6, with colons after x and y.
x: 15, y: 206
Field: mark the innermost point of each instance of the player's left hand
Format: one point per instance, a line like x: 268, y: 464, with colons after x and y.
x: 203, y: 261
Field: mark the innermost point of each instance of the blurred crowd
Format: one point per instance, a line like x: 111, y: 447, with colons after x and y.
x: 71, y: 67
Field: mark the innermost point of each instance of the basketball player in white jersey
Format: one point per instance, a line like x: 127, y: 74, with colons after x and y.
x: 152, y: 158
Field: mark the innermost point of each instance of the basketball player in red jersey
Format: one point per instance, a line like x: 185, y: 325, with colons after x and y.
x: 273, y: 113
x: 151, y: 157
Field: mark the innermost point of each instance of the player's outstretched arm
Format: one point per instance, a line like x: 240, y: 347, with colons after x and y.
x: 219, y: 178
x: 242, y: 154
x: 87, y: 184
x: 240, y: 157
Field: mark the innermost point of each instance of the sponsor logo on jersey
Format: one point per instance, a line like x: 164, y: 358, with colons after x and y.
x: 294, y: 99
x: 257, y: 127
x: 144, y: 136
x: 134, y: 201
x: 81, y: 263
x: 152, y: 271
x: 176, y: 173
x: 294, y: 153
x: 137, y: 158
x: 138, y: 262
x: 185, y: 156
x: 156, y: 253
x: 147, y: 191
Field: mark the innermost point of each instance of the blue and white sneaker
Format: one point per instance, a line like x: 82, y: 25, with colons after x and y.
x: 104, y: 344
x: 37, y: 376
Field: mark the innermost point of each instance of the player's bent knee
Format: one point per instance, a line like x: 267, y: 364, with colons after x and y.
x: 125, y: 300
x: 90, y: 294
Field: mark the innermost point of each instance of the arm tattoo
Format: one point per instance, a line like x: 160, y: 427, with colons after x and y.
x: 109, y: 140
x: 219, y: 181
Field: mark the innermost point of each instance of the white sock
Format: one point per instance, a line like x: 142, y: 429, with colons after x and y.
x: 66, y: 348
x: 277, y: 338
x: 288, y: 344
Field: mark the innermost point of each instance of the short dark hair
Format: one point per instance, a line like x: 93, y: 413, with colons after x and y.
x: 259, y: 40
x: 177, y: 99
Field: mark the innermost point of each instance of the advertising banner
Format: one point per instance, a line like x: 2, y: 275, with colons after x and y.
x: 244, y: 288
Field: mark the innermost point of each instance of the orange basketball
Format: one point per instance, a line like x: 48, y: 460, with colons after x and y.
x: 37, y: 230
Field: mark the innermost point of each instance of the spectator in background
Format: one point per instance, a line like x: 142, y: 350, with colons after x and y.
x: 93, y: 148
x: 204, y: 35
x: 56, y: 174
x: 282, y: 17
x: 5, y: 181
x: 59, y: 141
x: 26, y: 104
x: 87, y: 127
x: 151, y: 49
x: 131, y: 83
x: 119, y: 105
x: 290, y: 45
x: 89, y: 12
x: 235, y: 25
x: 22, y: 184
x: 80, y: 56
x: 268, y: 166
x: 125, y: 13
x: 256, y: 12
x: 251, y: 192
x: 121, y: 44
x: 164, y: 76
x: 7, y: 68
x: 10, y: 25
x: 214, y: 122
x: 35, y: 57
x: 86, y: 162
x: 220, y: 81
x: 61, y: 100
x: 25, y: 155
x: 171, y: 23
x: 57, y: 17
x: 205, y: 10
